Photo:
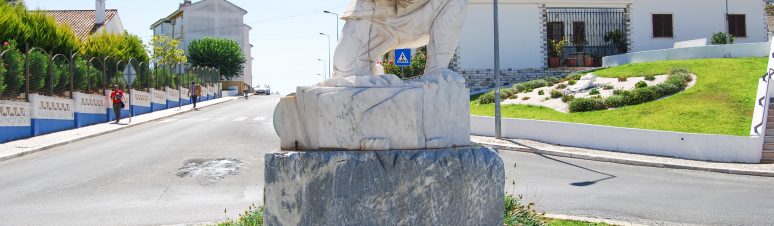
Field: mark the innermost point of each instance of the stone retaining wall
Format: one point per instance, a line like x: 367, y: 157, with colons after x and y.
x: 482, y: 79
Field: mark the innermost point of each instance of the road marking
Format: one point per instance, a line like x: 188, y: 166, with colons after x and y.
x: 259, y: 118
x: 220, y: 119
x: 239, y: 119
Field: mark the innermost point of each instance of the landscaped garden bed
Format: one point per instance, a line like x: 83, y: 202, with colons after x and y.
x: 717, y: 97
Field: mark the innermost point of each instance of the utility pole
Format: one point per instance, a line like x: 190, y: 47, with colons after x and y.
x: 498, y: 124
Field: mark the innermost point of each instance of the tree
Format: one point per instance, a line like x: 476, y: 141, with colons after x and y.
x: 36, y: 29
x: 166, y: 51
x: 223, y: 54
x: 119, y: 47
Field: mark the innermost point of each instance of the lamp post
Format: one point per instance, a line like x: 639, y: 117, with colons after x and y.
x: 337, y: 23
x: 325, y: 69
x: 329, y: 53
x: 498, y: 129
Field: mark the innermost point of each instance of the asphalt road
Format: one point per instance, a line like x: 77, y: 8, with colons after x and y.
x: 134, y: 177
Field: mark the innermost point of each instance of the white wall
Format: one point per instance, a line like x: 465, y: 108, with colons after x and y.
x: 693, y: 19
x: 520, y: 37
x: 704, y: 147
x: 740, y: 50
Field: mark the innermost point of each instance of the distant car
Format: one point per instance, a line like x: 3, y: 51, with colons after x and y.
x: 263, y: 90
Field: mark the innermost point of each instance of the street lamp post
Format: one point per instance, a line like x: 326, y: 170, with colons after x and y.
x: 325, y: 68
x: 337, y: 23
x: 329, y: 53
x: 498, y: 125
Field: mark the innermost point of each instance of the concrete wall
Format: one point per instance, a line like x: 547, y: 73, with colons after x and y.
x: 15, y: 120
x: 705, y: 147
x: 89, y: 109
x: 760, y: 49
x: 141, y: 102
x: 51, y: 114
x: 694, y: 19
x: 158, y: 99
x: 173, y: 97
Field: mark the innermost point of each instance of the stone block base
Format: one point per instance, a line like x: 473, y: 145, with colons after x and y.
x: 460, y: 186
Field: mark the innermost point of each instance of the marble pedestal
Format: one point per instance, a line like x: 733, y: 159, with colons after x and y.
x: 457, y: 186
x: 377, y: 113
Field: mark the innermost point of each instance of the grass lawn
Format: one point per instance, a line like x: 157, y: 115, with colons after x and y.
x: 721, y: 102
x: 554, y: 222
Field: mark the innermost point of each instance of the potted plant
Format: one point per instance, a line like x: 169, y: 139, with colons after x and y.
x: 555, y: 50
x: 721, y: 38
x: 589, y: 60
x: 618, y: 39
x: 579, y: 41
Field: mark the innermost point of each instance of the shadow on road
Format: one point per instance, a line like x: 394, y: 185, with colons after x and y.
x: 578, y: 184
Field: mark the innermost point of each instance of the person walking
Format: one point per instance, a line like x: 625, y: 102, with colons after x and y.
x: 194, y: 91
x: 117, y: 97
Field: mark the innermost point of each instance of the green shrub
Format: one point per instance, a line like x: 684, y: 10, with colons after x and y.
x: 621, y: 92
x: 594, y: 91
x: 679, y: 70
x: 506, y: 93
x: 571, y: 82
x: 668, y: 89
x: 551, y: 80
x: 650, y: 77
x: 641, y: 84
x: 556, y: 94
x: 721, y: 38
x: 253, y: 216
x: 586, y: 104
x: 561, y: 86
x: 525, y: 98
x: 517, y: 213
x: 607, y: 87
x: 622, y: 79
x: 541, y: 92
x: 679, y: 79
x: 640, y: 95
x: 567, y: 98
x: 615, y: 101
x: 487, y: 98
x: 530, y: 85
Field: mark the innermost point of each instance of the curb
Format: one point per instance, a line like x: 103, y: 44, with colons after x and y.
x: 635, y: 162
x: 591, y: 219
x: 43, y: 148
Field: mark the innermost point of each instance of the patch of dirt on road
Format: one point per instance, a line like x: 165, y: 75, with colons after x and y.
x: 210, y: 170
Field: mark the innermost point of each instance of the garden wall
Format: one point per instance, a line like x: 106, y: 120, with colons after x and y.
x: 483, y: 79
x: 141, y: 102
x: 51, y: 114
x: 173, y: 97
x: 158, y: 99
x: 705, y: 147
x: 15, y: 120
x: 760, y: 49
x: 89, y: 109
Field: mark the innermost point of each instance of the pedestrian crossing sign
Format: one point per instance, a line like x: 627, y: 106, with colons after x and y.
x: 403, y: 57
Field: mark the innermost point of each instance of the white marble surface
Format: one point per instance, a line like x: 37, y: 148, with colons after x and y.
x: 430, y: 112
x: 374, y: 27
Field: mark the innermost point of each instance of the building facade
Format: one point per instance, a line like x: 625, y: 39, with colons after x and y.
x: 210, y: 18
x: 592, y: 29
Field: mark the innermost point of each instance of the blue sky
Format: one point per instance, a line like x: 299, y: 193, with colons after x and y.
x: 285, y: 33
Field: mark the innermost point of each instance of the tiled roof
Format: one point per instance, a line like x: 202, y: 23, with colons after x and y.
x: 81, y: 21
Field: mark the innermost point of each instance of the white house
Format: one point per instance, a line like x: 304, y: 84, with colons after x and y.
x: 210, y: 18
x: 527, y: 28
x: 87, y: 22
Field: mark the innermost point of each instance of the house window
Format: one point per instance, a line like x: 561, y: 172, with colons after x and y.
x: 736, y: 25
x: 555, y: 31
x: 662, y: 26
x: 579, y: 33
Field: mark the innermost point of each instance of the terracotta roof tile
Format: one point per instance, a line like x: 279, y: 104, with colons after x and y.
x: 81, y: 21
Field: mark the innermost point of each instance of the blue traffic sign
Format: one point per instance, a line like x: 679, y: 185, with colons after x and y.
x: 403, y: 57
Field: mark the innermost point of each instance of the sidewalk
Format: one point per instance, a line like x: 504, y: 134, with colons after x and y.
x: 764, y: 170
x: 15, y: 149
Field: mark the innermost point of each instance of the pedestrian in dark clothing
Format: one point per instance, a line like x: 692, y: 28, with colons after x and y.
x: 194, y: 92
x: 117, y: 97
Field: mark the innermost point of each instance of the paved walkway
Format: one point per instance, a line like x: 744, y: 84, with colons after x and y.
x: 15, y: 149
x: 766, y: 170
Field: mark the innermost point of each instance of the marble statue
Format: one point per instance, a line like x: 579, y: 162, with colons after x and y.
x: 374, y: 27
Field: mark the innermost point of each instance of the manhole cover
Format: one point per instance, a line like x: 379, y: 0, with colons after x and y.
x: 210, y: 170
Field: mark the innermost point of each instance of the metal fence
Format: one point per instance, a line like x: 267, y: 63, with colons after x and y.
x: 38, y: 71
x: 591, y: 33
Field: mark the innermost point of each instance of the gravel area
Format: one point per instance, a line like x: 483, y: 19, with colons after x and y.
x: 545, y: 100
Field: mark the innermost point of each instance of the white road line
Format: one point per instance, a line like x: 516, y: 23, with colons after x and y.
x: 259, y: 118
x: 239, y: 119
